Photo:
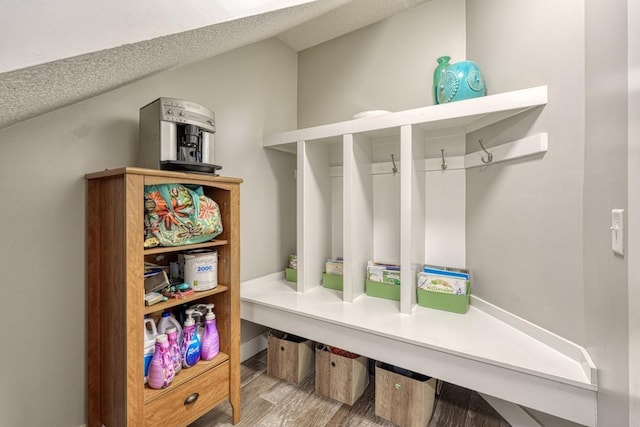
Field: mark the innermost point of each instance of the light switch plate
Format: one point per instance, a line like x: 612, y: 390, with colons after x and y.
x: 617, y: 231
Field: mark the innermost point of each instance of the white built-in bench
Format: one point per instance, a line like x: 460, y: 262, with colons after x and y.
x: 487, y: 350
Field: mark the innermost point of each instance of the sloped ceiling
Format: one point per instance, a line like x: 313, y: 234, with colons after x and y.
x: 37, y: 89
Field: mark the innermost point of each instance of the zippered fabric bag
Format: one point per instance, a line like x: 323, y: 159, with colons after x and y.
x: 177, y: 215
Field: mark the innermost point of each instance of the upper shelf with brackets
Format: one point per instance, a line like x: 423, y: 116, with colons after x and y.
x: 459, y: 117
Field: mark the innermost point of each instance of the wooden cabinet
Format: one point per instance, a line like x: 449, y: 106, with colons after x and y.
x: 117, y: 395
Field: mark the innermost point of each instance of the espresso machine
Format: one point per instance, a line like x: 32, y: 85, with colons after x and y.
x: 177, y: 135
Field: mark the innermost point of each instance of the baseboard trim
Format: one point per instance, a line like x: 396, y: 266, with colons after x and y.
x: 253, y: 346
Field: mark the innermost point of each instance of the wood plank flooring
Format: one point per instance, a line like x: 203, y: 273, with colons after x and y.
x: 269, y: 402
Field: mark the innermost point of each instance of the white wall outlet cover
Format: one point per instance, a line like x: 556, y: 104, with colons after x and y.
x: 617, y: 231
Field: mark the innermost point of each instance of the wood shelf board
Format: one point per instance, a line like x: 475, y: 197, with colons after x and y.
x: 466, y: 116
x: 183, y: 248
x: 185, y: 375
x: 164, y: 174
x: 172, y: 302
x: 474, y: 350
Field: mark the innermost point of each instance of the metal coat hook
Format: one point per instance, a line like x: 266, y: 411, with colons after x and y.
x: 395, y: 168
x: 489, y: 155
x: 444, y: 164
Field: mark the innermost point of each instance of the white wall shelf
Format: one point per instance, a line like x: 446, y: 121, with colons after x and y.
x: 455, y: 117
x: 350, y: 203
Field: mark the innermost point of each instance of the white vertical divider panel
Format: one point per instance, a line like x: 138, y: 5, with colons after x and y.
x: 358, y: 213
x: 412, y: 195
x: 314, y: 213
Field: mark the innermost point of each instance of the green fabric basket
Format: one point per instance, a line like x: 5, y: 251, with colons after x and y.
x: 291, y: 275
x: 382, y: 290
x: 446, y: 302
x: 332, y: 281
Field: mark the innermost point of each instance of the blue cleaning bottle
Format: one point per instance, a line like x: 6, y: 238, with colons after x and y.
x: 190, y: 349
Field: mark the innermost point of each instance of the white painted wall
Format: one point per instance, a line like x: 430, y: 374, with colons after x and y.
x: 524, y: 219
x: 386, y: 66
x: 605, y: 188
x: 529, y: 269
x: 633, y: 218
x: 538, y: 240
x: 517, y: 263
x: 546, y: 223
x: 42, y: 215
x: 35, y: 32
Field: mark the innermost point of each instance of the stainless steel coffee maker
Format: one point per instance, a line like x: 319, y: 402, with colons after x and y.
x: 176, y: 134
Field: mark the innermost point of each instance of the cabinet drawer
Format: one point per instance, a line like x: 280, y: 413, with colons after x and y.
x: 171, y: 410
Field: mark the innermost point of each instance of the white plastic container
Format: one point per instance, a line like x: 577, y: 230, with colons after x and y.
x: 166, y: 321
x: 150, y: 334
x: 201, y: 270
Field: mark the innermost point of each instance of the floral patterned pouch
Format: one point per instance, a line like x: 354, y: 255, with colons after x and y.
x: 178, y: 214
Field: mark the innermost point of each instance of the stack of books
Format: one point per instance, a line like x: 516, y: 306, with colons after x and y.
x: 383, y: 273
x: 334, y: 266
x: 445, y: 280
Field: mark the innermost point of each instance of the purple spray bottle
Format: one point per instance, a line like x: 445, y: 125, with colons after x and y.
x: 210, y: 339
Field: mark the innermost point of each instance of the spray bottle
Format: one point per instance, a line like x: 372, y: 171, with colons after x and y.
x: 190, y: 349
x: 210, y: 339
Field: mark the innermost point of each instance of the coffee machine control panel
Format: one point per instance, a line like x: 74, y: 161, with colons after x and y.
x: 179, y: 111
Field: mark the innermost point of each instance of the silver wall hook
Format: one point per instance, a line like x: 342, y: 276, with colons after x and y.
x: 489, y: 155
x: 444, y: 164
x: 395, y: 168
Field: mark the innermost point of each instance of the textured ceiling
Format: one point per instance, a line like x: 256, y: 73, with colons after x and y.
x: 32, y: 91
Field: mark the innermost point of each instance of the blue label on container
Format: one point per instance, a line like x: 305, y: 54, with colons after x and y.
x: 147, y: 362
x: 192, y: 355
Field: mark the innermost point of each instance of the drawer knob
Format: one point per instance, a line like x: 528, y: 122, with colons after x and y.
x: 191, y: 398
x: 333, y: 364
x: 282, y: 348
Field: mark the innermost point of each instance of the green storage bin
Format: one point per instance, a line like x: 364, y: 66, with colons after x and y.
x: 382, y: 290
x: 332, y: 281
x: 446, y: 302
x: 291, y: 275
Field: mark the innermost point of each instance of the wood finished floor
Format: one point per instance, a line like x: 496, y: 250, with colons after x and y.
x: 269, y: 402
